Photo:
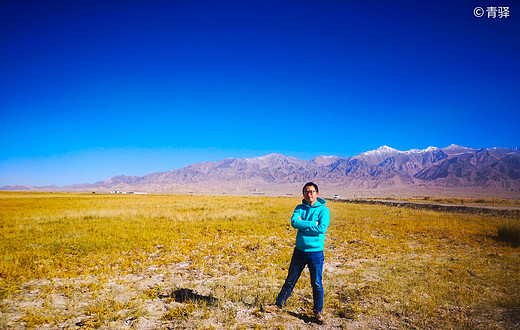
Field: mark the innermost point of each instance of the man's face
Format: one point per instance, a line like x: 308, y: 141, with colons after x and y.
x: 310, y: 195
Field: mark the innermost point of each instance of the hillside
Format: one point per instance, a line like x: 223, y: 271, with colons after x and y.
x: 453, y: 169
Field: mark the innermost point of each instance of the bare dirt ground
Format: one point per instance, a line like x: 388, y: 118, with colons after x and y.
x: 175, y: 288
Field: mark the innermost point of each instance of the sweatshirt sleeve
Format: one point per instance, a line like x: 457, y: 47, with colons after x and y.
x: 323, y: 223
x: 297, y: 221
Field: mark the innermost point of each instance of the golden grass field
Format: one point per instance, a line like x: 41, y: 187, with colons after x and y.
x: 466, y: 201
x: 72, y: 260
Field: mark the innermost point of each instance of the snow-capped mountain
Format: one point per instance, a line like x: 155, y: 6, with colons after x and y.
x: 497, y: 169
x: 457, y: 150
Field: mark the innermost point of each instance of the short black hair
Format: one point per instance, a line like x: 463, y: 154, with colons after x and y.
x: 308, y: 184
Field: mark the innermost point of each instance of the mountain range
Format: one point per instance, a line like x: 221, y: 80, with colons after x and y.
x: 385, y: 170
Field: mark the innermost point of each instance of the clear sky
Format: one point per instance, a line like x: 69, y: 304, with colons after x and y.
x: 93, y: 89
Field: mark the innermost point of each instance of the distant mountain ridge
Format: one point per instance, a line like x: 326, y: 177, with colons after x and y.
x: 494, y: 169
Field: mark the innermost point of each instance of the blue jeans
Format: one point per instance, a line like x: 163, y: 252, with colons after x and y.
x: 300, y: 259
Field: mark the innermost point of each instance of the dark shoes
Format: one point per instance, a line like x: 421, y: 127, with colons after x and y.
x: 320, y: 319
x: 272, y: 309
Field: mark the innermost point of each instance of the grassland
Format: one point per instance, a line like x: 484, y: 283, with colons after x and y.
x: 152, y: 261
x: 506, y: 202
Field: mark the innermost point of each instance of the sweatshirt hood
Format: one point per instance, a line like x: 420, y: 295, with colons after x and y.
x: 319, y: 202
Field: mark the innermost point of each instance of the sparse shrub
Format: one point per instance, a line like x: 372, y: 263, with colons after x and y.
x: 348, y: 312
x: 183, y: 312
x: 152, y: 293
x: 6, y: 289
x: 346, y: 304
x: 510, y: 233
x: 34, y: 318
x: 103, y: 311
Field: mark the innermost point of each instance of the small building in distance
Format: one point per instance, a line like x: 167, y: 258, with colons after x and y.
x: 121, y: 192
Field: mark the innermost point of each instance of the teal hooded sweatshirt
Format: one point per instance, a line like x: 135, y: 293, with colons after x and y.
x: 310, y: 235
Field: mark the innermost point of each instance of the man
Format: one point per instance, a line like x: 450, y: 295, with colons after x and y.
x: 311, y: 219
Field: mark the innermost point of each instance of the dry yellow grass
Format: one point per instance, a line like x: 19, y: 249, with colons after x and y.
x: 467, y: 201
x: 212, y: 261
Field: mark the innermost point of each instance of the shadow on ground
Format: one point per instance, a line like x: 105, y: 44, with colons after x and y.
x: 303, y: 317
x: 183, y: 295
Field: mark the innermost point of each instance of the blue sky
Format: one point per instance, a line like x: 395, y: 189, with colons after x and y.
x: 93, y: 89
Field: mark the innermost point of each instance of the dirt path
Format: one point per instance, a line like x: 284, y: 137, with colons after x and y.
x: 497, y: 211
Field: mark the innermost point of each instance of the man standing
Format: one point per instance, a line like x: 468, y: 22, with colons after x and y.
x: 311, y: 219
